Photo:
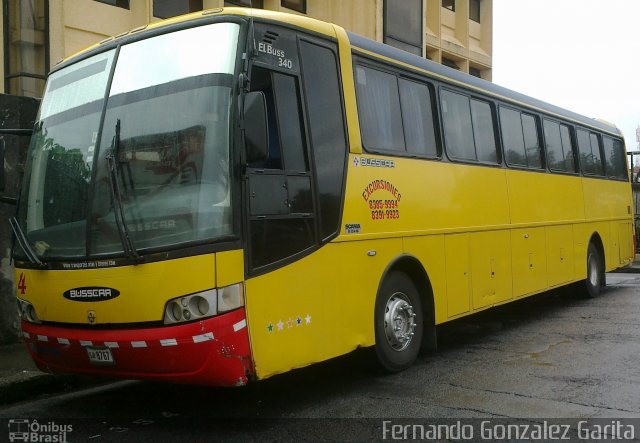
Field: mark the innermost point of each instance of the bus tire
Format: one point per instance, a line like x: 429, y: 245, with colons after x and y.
x: 595, y: 273
x: 399, y: 322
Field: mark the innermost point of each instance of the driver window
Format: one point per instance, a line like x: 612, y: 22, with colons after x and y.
x: 282, y: 220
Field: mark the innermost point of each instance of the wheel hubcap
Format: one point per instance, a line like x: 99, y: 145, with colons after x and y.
x: 399, y: 321
x: 594, y: 275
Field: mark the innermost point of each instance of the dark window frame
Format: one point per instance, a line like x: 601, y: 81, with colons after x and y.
x: 450, y: 5
x: 450, y: 63
x: 476, y: 72
x: 124, y: 4
x: 259, y: 4
x: 298, y: 6
x: 240, y: 3
x: 193, y: 6
x: 401, y: 39
x: 474, y: 10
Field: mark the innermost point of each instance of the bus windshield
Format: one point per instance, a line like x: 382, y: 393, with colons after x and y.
x: 152, y: 164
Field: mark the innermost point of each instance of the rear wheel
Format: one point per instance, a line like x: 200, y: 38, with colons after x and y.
x: 399, y: 322
x: 595, y: 273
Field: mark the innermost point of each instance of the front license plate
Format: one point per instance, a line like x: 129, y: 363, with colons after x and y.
x: 101, y: 356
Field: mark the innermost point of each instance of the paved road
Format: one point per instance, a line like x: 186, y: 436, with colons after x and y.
x: 553, y: 355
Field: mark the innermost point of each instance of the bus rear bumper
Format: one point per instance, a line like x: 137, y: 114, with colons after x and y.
x: 214, y: 352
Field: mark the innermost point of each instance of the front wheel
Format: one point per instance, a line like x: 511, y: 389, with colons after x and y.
x: 399, y: 322
x: 595, y: 273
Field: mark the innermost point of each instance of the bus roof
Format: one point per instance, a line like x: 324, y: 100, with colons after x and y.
x: 456, y: 77
x: 300, y: 21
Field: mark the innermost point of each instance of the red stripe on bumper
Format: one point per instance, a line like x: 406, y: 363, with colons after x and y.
x: 210, y: 352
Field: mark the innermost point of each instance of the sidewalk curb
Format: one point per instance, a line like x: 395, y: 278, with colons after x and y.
x: 36, y: 384
x: 27, y: 385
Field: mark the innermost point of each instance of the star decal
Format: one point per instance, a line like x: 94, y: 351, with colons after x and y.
x: 289, y: 323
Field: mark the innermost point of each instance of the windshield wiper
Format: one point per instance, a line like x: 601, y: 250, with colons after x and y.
x: 118, y: 210
x: 23, y: 241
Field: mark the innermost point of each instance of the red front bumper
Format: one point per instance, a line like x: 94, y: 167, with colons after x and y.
x: 209, y: 352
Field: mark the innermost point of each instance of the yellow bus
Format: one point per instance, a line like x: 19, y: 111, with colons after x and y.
x: 231, y: 194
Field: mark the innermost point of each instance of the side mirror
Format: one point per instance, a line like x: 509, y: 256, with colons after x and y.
x: 255, y: 126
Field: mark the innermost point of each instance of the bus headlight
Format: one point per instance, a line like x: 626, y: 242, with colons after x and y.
x: 204, y: 304
x: 230, y: 298
x: 191, y: 307
x: 27, y: 312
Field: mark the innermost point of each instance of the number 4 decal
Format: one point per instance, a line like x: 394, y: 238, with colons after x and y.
x: 22, y: 284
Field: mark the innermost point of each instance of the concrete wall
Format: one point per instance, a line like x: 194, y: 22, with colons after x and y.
x: 15, y: 112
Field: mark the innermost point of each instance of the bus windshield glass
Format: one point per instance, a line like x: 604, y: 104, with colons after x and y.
x: 151, y: 165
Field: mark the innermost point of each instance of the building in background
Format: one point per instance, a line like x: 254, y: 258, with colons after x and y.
x: 39, y: 33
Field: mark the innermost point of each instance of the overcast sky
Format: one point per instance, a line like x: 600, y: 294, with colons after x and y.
x: 582, y: 55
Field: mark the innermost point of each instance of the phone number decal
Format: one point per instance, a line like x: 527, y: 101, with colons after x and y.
x: 382, y: 207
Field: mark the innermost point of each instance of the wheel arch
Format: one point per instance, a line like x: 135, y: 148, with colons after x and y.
x: 414, y: 269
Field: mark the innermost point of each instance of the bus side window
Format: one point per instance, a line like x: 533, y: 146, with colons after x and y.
x: 584, y: 148
x: 483, y: 132
x: 261, y: 81
x: 512, y: 137
x: 532, y: 141
x: 620, y: 156
x: 520, y: 138
x: 290, y: 130
x: 567, y: 148
x: 596, y: 153
x: 417, y: 118
x: 615, y: 166
x: 559, y: 147
x: 458, y: 132
x: 379, y: 110
x: 468, y: 128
